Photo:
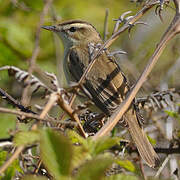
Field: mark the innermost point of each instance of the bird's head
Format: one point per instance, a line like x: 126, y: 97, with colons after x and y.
x: 75, y: 32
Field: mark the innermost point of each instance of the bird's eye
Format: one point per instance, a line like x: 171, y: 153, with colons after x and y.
x: 72, y: 29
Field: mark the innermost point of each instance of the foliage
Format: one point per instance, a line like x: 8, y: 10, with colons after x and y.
x: 57, y: 153
x: 25, y: 138
x: 11, y: 171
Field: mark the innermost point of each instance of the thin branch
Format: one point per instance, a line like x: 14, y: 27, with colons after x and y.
x: 142, y: 170
x: 14, y: 102
x: 159, y: 150
x: 172, y: 30
x: 29, y: 115
x: 67, y: 108
x: 168, y: 150
x: 106, y: 25
x: 26, y: 94
x: 162, y: 166
x: 53, y: 98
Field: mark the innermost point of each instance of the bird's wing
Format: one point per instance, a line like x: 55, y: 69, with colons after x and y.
x: 105, y: 82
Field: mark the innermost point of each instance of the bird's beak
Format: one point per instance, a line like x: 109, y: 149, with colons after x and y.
x: 50, y: 28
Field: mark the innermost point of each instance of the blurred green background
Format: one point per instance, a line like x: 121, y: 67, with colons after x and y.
x: 18, y: 24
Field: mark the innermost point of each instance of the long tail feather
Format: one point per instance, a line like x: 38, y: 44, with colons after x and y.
x: 139, y: 137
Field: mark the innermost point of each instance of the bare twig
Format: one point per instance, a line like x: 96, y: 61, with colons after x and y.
x: 53, y: 98
x: 106, y: 25
x: 158, y: 100
x: 26, y: 94
x: 14, y: 102
x: 67, y: 108
x: 19, y: 113
x: 168, y: 150
x: 142, y: 170
x: 34, y: 116
x: 162, y: 166
x: 172, y: 30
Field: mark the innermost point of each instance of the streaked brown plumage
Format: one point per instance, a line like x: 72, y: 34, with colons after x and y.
x: 105, y: 84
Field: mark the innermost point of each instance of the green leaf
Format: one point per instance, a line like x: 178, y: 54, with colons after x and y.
x: 173, y: 114
x: 26, y: 137
x: 80, y: 151
x: 94, y: 169
x: 76, y: 138
x: 122, y: 177
x: 7, y: 124
x: 80, y: 155
x: 34, y: 178
x: 126, y: 164
x: 103, y: 144
x: 152, y: 141
x: 56, y: 153
x: 11, y: 170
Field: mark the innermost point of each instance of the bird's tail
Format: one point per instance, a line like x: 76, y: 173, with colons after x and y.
x: 138, y: 135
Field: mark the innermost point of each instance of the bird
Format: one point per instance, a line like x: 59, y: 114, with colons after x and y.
x: 105, y: 84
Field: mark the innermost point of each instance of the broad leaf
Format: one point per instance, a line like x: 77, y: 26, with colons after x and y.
x: 56, y: 153
x: 76, y: 138
x: 26, y: 137
x: 103, y: 144
x: 152, y: 141
x: 94, y: 169
x: 126, y: 164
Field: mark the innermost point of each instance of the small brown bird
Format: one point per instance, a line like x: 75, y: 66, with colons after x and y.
x: 105, y: 84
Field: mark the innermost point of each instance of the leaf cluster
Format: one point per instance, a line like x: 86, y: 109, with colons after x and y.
x: 73, y: 157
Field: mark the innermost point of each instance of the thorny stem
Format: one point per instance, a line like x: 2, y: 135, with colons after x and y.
x: 172, y: 30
